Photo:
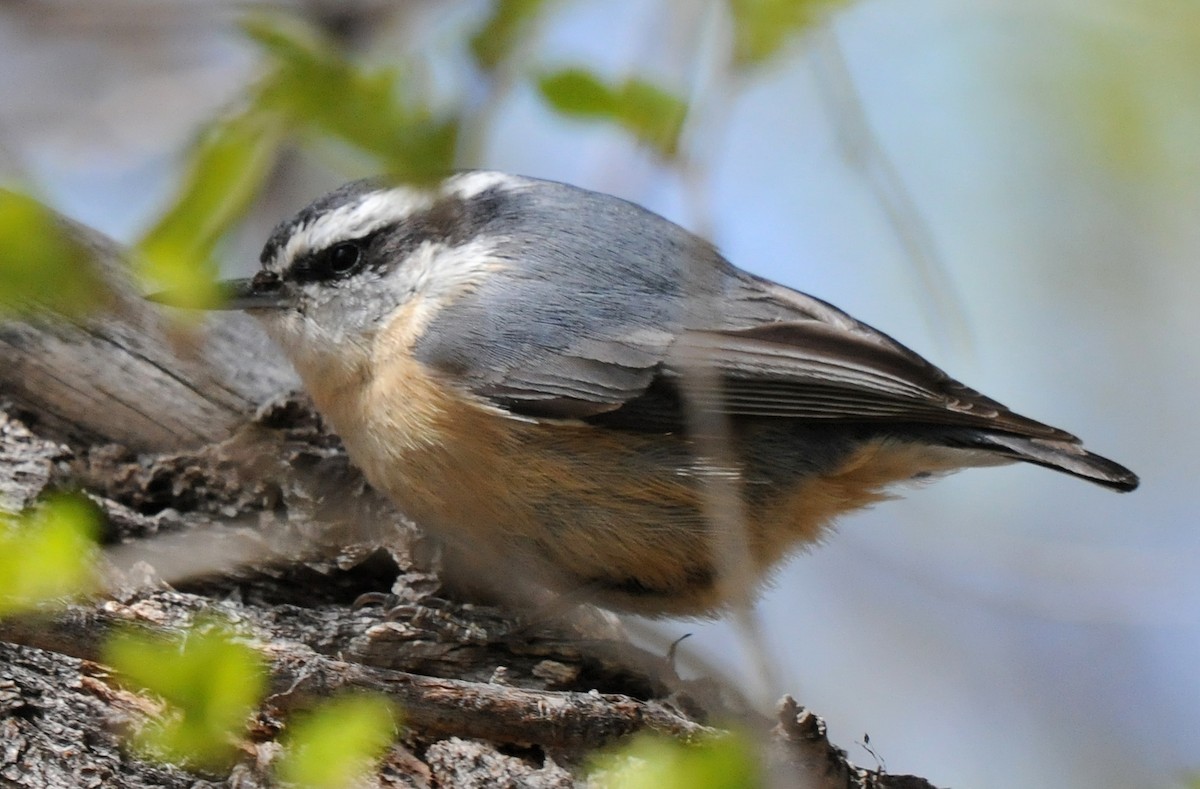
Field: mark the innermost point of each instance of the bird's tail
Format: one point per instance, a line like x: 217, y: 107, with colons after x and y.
x: 1066, y: 456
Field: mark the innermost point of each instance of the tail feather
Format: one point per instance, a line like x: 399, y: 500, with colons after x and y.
x: 1066, y: 456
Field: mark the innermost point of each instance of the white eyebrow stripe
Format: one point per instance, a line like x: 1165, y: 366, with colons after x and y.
x: 355, y: 220
x: 468, y: 185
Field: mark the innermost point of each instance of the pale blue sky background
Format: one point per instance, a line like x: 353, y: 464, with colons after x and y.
x: 1000, y: 628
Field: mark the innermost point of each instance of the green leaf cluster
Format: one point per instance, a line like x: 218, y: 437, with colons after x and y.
x: 727, y: 761
x: 41, y: 265
x: 47, y: 554
x: 652, y: 115
x: 312, y: 92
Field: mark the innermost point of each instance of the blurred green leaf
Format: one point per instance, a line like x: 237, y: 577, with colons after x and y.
x: 655, y: 762
x: 47, y: 554
x: 315, y: 88
x: 338, y: 742
x: 763, y: 28
x: 41, y: 266
x: 226, y: 171
x: 210, y: 681
x: 578, y: 92
x: 504, y: 30
x: 652, y: 115
x: 1128, y: 91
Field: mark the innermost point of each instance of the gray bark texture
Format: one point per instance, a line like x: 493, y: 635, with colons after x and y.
x: 223, y: 493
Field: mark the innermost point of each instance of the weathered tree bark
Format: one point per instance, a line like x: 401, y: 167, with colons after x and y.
x: 117, y: 378
x: 221, y: 494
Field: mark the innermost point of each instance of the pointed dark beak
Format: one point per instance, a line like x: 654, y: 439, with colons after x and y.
x: 264, y: 291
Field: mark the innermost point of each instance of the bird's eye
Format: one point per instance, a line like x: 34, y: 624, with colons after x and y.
x: 343, y: 257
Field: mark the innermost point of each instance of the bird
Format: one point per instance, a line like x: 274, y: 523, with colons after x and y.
x: 561, y: 383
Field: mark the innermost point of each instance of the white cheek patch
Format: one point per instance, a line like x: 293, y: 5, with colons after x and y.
x: 436, y: 275
x: 439, y: 272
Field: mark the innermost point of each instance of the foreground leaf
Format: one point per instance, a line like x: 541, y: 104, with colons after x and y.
x: 338, y: 742
x: 210, y: 682
x: 47, y: 554
x: 226, y: 171
x: 654, y: 762
x: 41, y: 266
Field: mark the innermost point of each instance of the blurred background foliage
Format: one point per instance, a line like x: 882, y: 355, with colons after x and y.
x: 1029, y: 165
x: 1135, y: 91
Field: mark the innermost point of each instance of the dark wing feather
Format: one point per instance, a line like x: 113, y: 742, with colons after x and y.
x: 787, y: 370
x: 811, y: 370
x: 575, y: 384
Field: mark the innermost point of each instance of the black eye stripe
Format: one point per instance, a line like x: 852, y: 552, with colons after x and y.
x: 334, y: 262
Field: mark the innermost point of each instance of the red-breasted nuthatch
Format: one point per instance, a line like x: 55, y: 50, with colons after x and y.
x: 510, y: 361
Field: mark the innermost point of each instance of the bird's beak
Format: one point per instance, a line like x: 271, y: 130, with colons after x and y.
x: 263, y: 291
